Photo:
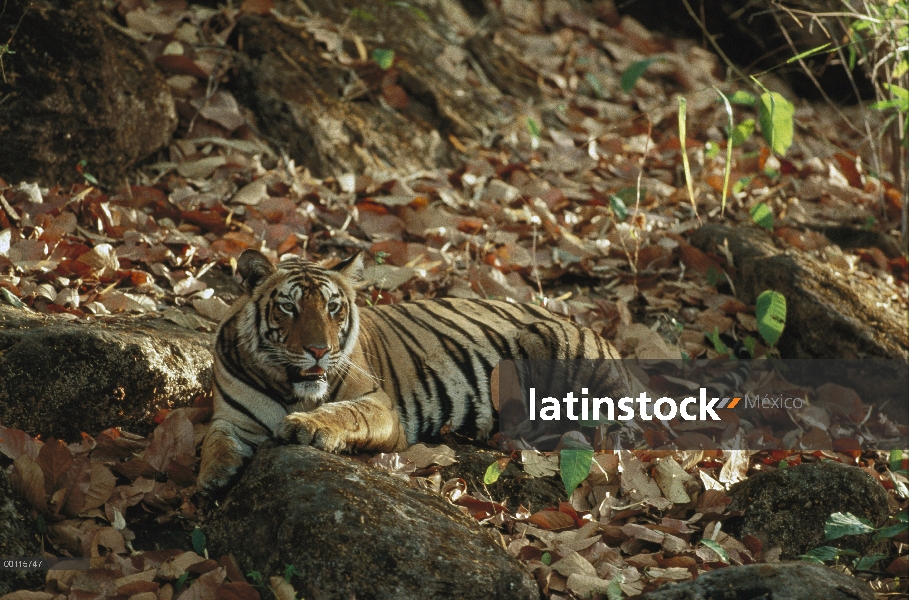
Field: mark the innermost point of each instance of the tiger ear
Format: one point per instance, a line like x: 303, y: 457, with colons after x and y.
x: 253, y: 267
x: 351, y: 267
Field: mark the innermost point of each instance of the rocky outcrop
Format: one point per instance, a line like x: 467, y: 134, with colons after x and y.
x: 830, y: 313
x: 18, y: 539
x: 76, y: 89
x: 792, y: 581
x: 787, y: 508
x: 351, y: 530
x: 60, y: 377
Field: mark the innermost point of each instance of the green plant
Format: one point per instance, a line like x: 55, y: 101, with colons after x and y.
x: 842, y: 524
x: 770, y: 310
x: 199, y: 542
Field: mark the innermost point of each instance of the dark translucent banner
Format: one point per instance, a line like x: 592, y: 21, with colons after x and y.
x: 807, y: 405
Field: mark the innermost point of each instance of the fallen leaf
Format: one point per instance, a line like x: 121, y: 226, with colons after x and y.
x: 539, y: 465
x: 423, y: 456
x: 672, y: 480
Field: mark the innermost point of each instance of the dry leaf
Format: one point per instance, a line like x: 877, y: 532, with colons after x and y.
x: 174, y: 436
x: 55, y: 459
x: 636, y: 483
x: 672, y: 480
x: 423, y: 456
x: 574, y: 564
x: 539, y: 465
x: 27, y: 479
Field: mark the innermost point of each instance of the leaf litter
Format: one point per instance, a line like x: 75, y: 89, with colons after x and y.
x: 550, y: 204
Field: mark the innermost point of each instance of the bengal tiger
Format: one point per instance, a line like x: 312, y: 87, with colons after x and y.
x: 297, y: 359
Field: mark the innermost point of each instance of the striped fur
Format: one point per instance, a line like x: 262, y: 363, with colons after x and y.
x: 297, y: 359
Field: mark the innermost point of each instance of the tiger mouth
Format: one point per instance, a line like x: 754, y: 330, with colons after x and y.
x: 307, y: 375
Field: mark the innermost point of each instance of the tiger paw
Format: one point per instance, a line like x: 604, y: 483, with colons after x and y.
x: 215, y: 478
x: 309, y: 430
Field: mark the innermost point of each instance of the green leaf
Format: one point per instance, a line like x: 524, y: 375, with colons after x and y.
x: 633, y: 73
x: 383, y: 57
x: 841, y: 524
x: 181, y: 581
x: 889, y: 532
x: 416, y: 11
x: 359, y: 13
x: 821, y: 554
x: 742, y: 184
x: 618, y: 207
x: 256, y: 577
x: 614, y: 589
x: 762, y: 215
x: 493, y: 472
x: 9, y: 298
x: 595, y: 84
x: 742, y: 132
x: 811, y: 559
x: 895, y: 459
x: 775, y: 114
x: 683, y: 124
x: 900, y: 96
x: 783, y: 464
x: 718, y: 344
x: 199, y: 541
x: 727, y: 170
x: 713, y: 276
x: 807, y: 53
x: 743, y: 97
x: 721, y: 552
x: 575, y: 467
x: 866, y: 562
x: 290, y: 571
x: 900, y: 68
x: 770, y: 310
x: 533, y: 127
x: 749, y: 343
x: 546, y: 559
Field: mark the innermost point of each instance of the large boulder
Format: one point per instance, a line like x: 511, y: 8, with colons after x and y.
x: 352, y: 116
x: 787, y: 508
x: 830, y: 314
x: 352, y: 530
x: 60, y: 377
x: 18, y: 539
x: 783, y: 581
x: 74, y: 89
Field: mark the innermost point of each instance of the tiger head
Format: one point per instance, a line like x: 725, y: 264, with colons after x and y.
x: 299, y: 322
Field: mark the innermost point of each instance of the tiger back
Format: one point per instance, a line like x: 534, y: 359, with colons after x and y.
x: 298, y: 360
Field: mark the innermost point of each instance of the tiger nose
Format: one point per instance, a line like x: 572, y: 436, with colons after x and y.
x: 318, y: 351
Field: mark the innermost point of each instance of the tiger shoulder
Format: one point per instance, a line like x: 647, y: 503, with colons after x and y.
x: 297, y: 359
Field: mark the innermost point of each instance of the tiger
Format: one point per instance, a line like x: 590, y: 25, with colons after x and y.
x: 296, y: 359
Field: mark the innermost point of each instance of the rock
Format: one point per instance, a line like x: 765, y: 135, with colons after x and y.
x: 60, y: 377
x: 352, y: 530
x: 76, y: 89
x: 358, y: 118
x: 781, y: 581
x: 787, y: 508
x: 829, y: 314
x: 18, y: 539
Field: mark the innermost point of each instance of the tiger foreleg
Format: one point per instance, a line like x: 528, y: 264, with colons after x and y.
x: 223, y: 453
x: 368, y: 423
